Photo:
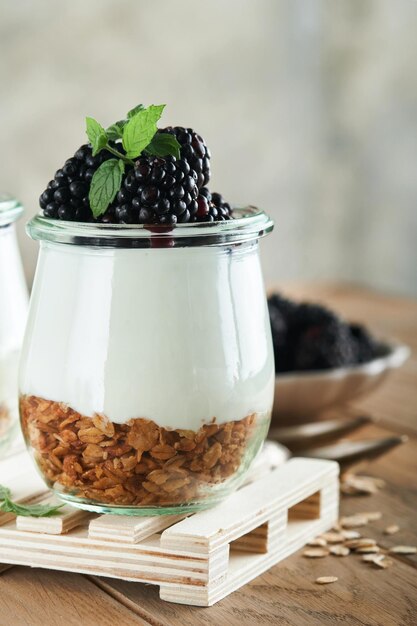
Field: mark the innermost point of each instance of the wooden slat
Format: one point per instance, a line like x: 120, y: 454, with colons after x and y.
x: 146, y: 562
x: 129, y: 529
x: 67, y: 519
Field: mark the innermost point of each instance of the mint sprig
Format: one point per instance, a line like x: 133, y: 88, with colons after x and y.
x: 4, y: 492
x: 26, y: 510
x: 138, y: 133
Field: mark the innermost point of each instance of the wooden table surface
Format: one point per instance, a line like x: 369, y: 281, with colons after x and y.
x: 287, y: 594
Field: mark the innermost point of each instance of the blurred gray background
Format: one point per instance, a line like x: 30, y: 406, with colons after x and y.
x: 309, y: 108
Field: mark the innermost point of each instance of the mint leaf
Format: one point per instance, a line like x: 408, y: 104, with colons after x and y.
x: 135, y: 110
x: 115, y: 131
x: 163, y: 144
x: 140, y: 129
x: 4, y: 492
x: 105, y: 184
x: 29, y: 510
x: 96, y: 134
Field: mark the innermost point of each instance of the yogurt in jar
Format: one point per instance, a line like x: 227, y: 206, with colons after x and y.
x: 177, y: 336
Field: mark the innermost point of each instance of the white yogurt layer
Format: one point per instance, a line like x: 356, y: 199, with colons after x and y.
x: 178, y: 335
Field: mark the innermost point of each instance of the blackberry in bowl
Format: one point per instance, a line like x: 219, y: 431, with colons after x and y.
x: 322, y: 360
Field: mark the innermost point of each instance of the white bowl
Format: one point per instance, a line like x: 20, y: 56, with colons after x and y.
x: 298, y: 395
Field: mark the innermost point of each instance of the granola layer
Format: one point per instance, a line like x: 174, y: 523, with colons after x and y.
x: 137, y: 463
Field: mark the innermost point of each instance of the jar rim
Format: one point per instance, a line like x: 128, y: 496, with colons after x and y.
x: 10, y: 209
x: 249, y: 223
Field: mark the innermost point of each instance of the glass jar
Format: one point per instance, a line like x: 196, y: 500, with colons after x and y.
x: 147, y: 371
x: 13, y: 311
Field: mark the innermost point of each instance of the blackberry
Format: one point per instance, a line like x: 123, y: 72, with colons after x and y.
x: 211, y: 207
x: 366, y: 346
x: 283, y: 306
x: 311, y: 337
x: 324, y: 346
x: 280, y: 340
x: 194, y: 151
x: 157, y: 191
x: 66, y: 196
x: 307, y: 314
x: 219, y: 208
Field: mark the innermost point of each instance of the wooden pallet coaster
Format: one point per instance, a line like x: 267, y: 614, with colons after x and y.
x: 196, y: 559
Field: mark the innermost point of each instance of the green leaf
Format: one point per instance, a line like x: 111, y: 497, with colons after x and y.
x: 4, y: 492
x: 135, y: 110
x: 29, y: 510
x: 96, y: 134
x: 163, y: 144
x: 105, y: 184
x: 140, y: 129
x: 115, y: 131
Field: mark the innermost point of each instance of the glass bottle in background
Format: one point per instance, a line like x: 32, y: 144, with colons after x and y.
x: 13, y: 313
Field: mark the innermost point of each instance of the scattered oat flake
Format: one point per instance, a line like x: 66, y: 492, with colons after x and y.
x: 315, y: 553
x: 359, y: 485
x: 373, y: 516
x: 360, y: 543
x: 348, y: 490
x: 379, y: 560
x: 372, y: 558
x: 383, y: 563
x: 392, y: 529
x: 351, y: 534
x: 404, y: 550
x: 379, y: 482
x: 332, y: 537
x: 353, y: 485
x: 339, y: 550
x: 368, y: 549
x: 326, y: 580
x: 353, y: 521
x: 318, y: 541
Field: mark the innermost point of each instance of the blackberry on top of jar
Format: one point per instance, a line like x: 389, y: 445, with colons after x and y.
x: 66, y: 195
x: 156, y: 176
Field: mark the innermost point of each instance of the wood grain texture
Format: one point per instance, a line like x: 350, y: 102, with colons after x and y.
x: 287, y: 594
x: 44, y: 598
